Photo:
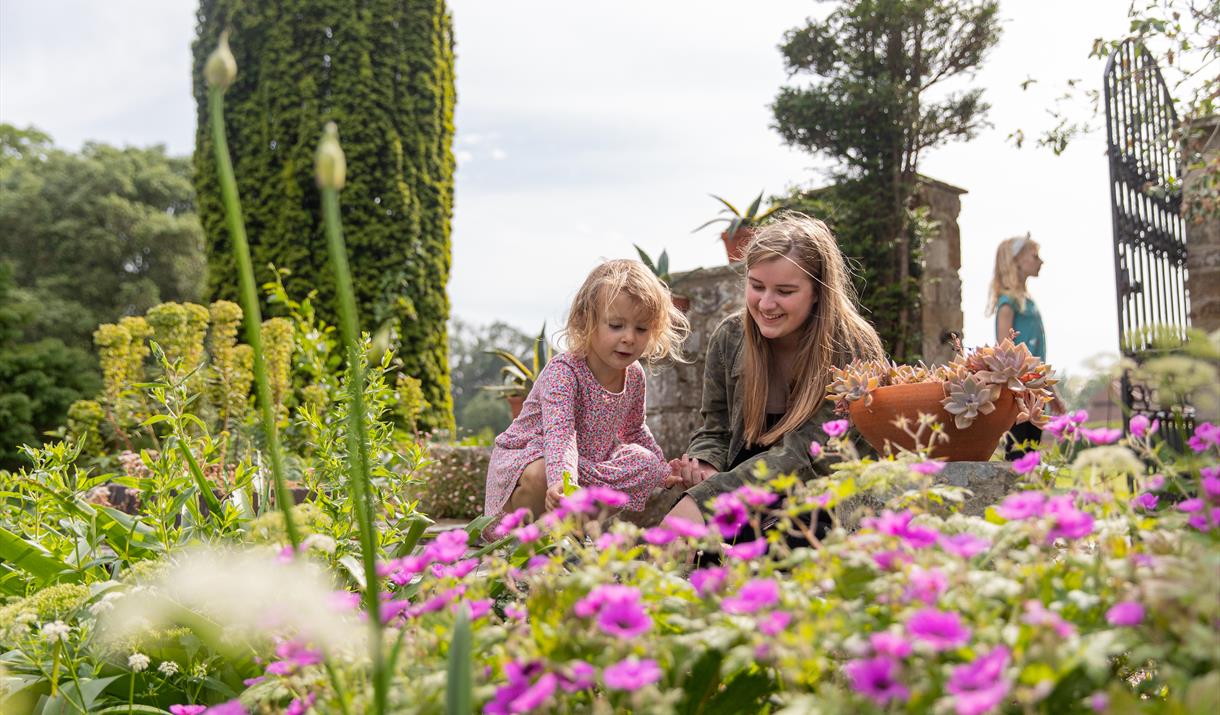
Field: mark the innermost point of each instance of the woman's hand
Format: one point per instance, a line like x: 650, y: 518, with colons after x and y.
x: 688, y: 471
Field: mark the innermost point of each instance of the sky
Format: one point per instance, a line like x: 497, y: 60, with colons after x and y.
x: 584, y: 128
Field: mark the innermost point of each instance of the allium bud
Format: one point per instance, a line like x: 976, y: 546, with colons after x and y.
x: 221, y: 68
x: 330, y: 166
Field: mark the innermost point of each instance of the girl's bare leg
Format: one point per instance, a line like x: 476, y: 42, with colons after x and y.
x: 531, y: 490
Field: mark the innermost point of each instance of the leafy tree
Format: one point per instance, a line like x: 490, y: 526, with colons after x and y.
x: 472, y: 369
x: 38, y: 380
x: 383, y: 71
x: 874, y: 104
x: 94, y: 236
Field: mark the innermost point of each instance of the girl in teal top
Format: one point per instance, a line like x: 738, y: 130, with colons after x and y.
x: 1016, y: 261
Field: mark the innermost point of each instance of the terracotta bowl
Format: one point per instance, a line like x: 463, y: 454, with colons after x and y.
x: 973, y: 444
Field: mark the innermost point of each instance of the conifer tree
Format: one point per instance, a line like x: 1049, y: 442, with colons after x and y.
x: 383, y: 71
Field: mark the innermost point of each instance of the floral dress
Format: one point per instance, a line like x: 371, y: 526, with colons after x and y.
x: 577, y: 426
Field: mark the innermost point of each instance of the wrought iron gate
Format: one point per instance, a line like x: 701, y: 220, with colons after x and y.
x: 1145, y: 202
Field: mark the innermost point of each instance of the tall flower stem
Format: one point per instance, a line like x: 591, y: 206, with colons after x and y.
x: 331, y: 171
x: 249, y: 302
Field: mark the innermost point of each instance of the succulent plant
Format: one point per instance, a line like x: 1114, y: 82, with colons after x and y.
x: 854, y: 382
x: 1005, y: 364
x: 970, y: 398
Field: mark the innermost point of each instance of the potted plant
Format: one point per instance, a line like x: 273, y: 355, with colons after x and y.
x: 740, y: 229
x: 661, y: 269
x: 518, y: 377
x: 976, y: 398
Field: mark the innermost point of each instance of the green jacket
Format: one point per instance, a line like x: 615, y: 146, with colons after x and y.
x: 722, y: 435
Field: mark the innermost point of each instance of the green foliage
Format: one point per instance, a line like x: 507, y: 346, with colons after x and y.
x: 95, y: 235
x: 384, y: 74
x: 735, y: 220
x: 519, y: 375
x: 38, y: 380
x: 869, y: 108
x: 473, y: 367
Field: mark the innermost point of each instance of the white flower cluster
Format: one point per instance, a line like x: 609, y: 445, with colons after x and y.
x: 55, y: 631
x: 138, y: 662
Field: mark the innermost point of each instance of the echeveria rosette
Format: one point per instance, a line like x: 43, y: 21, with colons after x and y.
x: 968, y: 398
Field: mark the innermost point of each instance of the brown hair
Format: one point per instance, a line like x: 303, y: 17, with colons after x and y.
x: 1007, y: 278
x: 833, y: 334
x: 624, y: 276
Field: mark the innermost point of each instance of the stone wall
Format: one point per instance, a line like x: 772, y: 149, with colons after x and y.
x: 1203, y: 229
x: 675, y: 390
x: 941, y: 286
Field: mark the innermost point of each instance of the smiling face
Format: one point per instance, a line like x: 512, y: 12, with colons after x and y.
x: 779, y: 297
x: 1029, y: 263
x: 623, y: 333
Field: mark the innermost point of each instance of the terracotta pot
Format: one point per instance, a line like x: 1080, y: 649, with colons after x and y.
x: 514, y: 404
x: 973, y: 444
x: 681, y: 302
x: 735, y: 245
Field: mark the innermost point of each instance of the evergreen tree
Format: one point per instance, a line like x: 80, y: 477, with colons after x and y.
x: 874, y: 104
x: 383, y: 71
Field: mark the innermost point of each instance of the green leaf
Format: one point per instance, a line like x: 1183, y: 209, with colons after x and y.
x: 34, y: 560
x: 416, y: 525
x: 752, y: 212
x: 663, y: 263
x: 73, y: 694
x: 732, y: 209
x: 702, y: 683
x: 743, y: 694
x: 355, y: 567
x: 146, y: 709
x: 459, y: 688
x: 645, y: 259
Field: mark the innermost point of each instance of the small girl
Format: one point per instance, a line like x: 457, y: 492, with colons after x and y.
x: 1016, y: 261
x: 585, y: 413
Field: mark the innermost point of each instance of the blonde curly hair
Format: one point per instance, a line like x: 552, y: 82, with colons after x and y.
x: 607, y: 282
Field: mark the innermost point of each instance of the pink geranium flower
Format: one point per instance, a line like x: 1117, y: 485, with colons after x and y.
x: 890, y: 644
x: 631, y: 674
x: 890, y: 559
x: 729, y: 515
x: 746, y: 551
x: 187, y: 709
x: 979, y: 686
x: 299, y: 706
x: 835, y: 428
x: 659, y: 536
x: 1102, y: 435
x: 449, y: 546
x: 899, y: 524
x: 1146, y: 501
x: 577, y: 675
x: 815, y: 449
x: 709, y: 580
x: 1141, y: 426
x: 876, y: 679
x: 232, y: 707
x: 940, y: 630
x: 1022, y: 505
x: 1067, y: 522
x: 1027, y: 463
x: 1206, y: 435
x: 527, y: 689
x: 527, y: 533
x: 928, y: 467
x: 1037, y: 614
x: 755, y: 497
x: 293, y: 655
x: 1125, y: 613
x: 926, y: 585
x: 754, y: 596
x: 511, y: 521
x: 685, y: 528
x: 774, y: 623
x: 964, y: 545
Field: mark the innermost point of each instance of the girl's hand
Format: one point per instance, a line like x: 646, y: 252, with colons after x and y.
x: 553, y: 494
x: 688, y: 471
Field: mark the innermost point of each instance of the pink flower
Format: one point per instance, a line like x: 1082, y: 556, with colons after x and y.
x: 1210, y: 483
x: 899, y: 524
x: 401, y: 571
x: 1141, y: 427
x: 707, y: 581
x: 659, y: 536
x: 979, y: 685
x: 1191, y: 506
x: 891, y: 559
x: 774, y: 623
x: 577, y: 675
x: 1125, y: 613
x: 754, y: 596
x: 618, y: 610
x: 815, y: 449
x: 685, y: 528
x: 1102, y: 435
x: 729, y: 515
x: 1078, y: 417
x: 964, y: 545
x: 1022, y: 505
x: 520, y: 695
x: 187, y: 709
x: 516, y: 612
x: 299, y: 706
x: 458, y: 570
x: 746, y: 551
x: 511, y: 521
x: 1027, y: 463
x: 292, y: 656
x: 926, y: 585
x: 449, y: 546
x: 876, y: 679
x: 344, y: 600
x: 1067, y: 521
x: 1146, y: 501
x: 1206, y: 435
x: 928, y: 467
x: 527, y: 533
x: 890, y: 644
x: 631, y: 674
x: 1099, y: 702
x: 1037, y: 614
x: 1060, y: 426
x: 835, y: 428
x: 938, y: 629
x: 477, y: 608
x: 754, y: 496
x: 610, y: 540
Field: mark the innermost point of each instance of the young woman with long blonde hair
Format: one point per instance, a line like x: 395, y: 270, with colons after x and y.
x: 768, y: 366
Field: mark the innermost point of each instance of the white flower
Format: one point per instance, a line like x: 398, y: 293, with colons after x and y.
x: 55, y: 631
x: 168, y: 668
x: 138, y: 662
x: 1083, y: 601
x: 319, y: 542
